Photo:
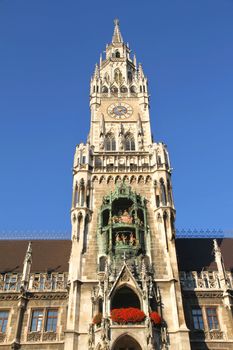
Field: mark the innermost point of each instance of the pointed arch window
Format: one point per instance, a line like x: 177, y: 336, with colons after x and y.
x: 104, y: 89
x: 130, y: 76
x: 124, y: 90
x: 114, y: 90
x: 117, y: 54
x: 82, y: 192
x: 133, y: 89
x: 163, y: 192
x: 76, y: 197
x: 117, y: 75
x: 129, y: 143
x: 110, y: 143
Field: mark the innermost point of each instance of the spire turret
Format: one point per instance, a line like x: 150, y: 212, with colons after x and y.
x: 117, y: 37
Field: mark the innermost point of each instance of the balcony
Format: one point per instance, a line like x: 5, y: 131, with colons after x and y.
x: 38, y: 282
x: 194, y: 280
x: 48, y: 282
x: 42, y: 336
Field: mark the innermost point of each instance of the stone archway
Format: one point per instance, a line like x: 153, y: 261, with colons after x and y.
x: 125, y: 297
x: 126, y: 342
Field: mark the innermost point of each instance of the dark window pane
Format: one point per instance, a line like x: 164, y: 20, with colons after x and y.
x: 212, y: 318
x: 197, y: 318
x: 51, y: 324
x: 3, y: 321
x: 37, y: 319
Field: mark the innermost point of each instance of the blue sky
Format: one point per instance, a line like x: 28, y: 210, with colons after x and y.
x: 48, y: 50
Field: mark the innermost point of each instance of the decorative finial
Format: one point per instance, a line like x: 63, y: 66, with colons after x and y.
x: 117, y: 37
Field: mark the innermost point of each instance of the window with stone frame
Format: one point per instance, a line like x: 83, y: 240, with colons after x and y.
x: 37, y: 320
x: 212, y: 317
x: 129, y: 143
x: 110, y: 143
x: 51, y: 320
x: 197, y: 318
x: 4, y: 315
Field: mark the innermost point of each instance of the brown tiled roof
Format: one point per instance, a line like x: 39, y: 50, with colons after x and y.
x: 197, y: 253
x: 53, y: 255
x: 47, y: 255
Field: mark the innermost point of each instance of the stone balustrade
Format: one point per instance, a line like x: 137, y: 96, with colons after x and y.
x: 10, y: 282
x: 203, y: 280
x: 42, y: 336
x: 38, y: 282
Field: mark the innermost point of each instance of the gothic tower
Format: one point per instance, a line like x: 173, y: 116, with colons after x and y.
x: 124, y: 290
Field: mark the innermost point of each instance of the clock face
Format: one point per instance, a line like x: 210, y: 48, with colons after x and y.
x: 120, y: 110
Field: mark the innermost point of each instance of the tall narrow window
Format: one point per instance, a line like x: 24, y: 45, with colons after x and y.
x: 85, y: 234
x: 130, y: 76
x: 76, y: 196
x: 3, y: 321
x: 169, y: 192
x: 82, y: 192
x: 37, y: 320
x: 117, y: 76
x: 212, y: 318
x: 51, y: 322
x: 129, y: 143
x: 110, y: 143
x: 197, y: 318
x: 163, y: 192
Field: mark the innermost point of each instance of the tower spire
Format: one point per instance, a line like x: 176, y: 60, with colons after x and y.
x: 117, y: 37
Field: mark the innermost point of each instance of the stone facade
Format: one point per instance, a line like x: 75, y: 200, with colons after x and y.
x: 123, y: 250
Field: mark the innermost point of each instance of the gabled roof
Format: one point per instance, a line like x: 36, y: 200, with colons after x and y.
x: 125, y: 271
x: 47, y: 255
x: 196, y: 254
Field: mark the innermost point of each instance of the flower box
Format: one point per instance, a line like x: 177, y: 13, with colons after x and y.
x: 129, y: 315
x: 155, y: 318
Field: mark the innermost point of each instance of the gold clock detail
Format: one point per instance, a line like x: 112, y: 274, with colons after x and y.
x: 120, y: 110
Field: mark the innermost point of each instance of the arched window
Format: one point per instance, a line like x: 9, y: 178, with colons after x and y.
x: 85, y: 233
x: 140, y: 88
x: 105, y: 89
x: 163, y: 192
x: 117, y: 54
x: 110, y: 143
x: 82, y: 190
x: 125, y: 297
x: 80, y: 220
x: 130, y: 76
x: 75, y: 196
x: 88, y: 193
x: 114, y: 90
x: 102, y: 262
x: 124, y: 89
x: 169, y: 192
x: 126, y: 342
x: 117, y: 75
x: 133, y: 89
x: 129, y: 143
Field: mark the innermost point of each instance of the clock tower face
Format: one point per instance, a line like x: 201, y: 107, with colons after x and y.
x: 120, y: 110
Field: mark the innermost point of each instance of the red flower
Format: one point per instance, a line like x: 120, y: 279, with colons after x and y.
x: 97, y: 319
x: 155, y: 317
x: 130, y: 314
